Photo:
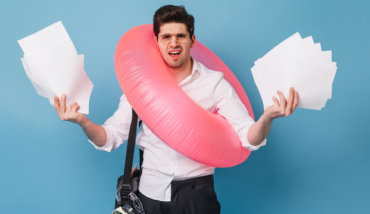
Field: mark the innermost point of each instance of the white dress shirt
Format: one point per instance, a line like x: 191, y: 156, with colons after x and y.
x: 161, y: 163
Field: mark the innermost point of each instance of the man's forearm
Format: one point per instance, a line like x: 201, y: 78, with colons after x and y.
x: 259, y: 130
x: 94, y: 132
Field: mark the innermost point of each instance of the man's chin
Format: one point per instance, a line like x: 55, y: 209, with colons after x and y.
x: 175, y: 64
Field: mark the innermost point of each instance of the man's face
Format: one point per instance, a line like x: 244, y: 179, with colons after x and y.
x: 175, y: 53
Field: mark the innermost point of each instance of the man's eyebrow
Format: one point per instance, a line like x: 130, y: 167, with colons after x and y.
x: 170, y: 34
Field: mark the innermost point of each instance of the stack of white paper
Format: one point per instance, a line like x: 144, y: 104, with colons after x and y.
x: 298, y: 63
x: 53, y: 66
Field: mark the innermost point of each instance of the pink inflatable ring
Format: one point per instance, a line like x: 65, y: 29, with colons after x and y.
x: 165, y: 108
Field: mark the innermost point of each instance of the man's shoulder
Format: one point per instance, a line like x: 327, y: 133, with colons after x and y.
x: 123, y: 101
x: 215, y: 77
x: 209, y: 72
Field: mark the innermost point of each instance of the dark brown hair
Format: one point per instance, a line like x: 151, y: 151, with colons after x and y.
x: 171, y: 13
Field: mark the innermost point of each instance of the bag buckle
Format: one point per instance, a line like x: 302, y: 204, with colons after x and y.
x: 125, y: 190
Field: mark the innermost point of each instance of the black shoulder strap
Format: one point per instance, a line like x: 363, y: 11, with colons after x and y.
x: 130, y: 149
x: 126, y: 181
x: 141, y: 152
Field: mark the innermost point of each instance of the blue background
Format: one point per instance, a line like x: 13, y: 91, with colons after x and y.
x: 314, y: 161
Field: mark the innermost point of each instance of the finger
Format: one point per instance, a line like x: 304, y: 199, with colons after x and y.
x: 56, y: 103
x: 69, y: 108
x: 282, y: 102
x: 75, y: 108
x: 276, y: 102
x: 73, y: 105
x: 289, y: 106
x: 63, y: 103
x: 296, y: 97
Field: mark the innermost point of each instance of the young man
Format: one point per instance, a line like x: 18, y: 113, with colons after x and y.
x: 171, y: 182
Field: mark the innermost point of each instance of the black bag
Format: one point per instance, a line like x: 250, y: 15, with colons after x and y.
x: 127, y: 184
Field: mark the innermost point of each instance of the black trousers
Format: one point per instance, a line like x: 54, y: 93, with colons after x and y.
x: 191, y: 196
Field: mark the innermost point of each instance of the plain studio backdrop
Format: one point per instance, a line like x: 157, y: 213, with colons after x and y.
x: 314, y: 161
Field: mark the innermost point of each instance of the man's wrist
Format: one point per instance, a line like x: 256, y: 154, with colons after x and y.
x: 265, y: 119
x: 84, y: 122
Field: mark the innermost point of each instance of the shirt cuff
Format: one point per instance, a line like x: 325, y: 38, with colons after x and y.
x: 245, y: 142
x: 107, y: 147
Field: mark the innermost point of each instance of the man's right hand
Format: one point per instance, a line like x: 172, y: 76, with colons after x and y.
x: 94, y: 132
x: 68, y: 113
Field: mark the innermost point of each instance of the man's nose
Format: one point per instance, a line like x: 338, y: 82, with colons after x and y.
x: 173, y: 42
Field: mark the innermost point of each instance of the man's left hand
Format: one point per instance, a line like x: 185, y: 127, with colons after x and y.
x: 284, y: 108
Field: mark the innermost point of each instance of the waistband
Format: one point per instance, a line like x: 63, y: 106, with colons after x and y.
x: 191, y: 182
x: 181, y: 179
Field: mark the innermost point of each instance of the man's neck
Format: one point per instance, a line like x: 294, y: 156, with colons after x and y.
x: 179, y: 74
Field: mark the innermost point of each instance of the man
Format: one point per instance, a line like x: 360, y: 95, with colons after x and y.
x: 171, y: 182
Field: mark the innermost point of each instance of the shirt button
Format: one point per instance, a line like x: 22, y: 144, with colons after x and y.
x: 174, y: 163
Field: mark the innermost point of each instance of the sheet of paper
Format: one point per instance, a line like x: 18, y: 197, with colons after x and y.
x: 38, y: 88
x: 56, y: 68
x: 295, y: 45
x: 298, y: 63
x: 324, y: 56
x: 43, y: 38
x: 313, y: 84
x: 85, y: 87
x: 293, y: 38
x: 53, y: 66
x: 325, y: 66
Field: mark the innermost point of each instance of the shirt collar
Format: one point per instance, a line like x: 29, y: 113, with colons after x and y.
x: 196, y: 68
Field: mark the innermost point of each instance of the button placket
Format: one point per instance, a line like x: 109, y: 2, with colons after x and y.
x: 172, y: 154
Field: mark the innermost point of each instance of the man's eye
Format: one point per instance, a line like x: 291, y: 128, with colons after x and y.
x: 166, y: 37
x: 181, y: 35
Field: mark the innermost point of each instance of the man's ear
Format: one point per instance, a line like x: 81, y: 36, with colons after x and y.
x: 156, y: 40
x: 192, y: 41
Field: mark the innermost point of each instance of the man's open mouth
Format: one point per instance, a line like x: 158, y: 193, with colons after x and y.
x: 174, y: 53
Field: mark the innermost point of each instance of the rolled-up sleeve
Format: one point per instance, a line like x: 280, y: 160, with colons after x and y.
x: 117, y: 126
x: 229, y: 105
